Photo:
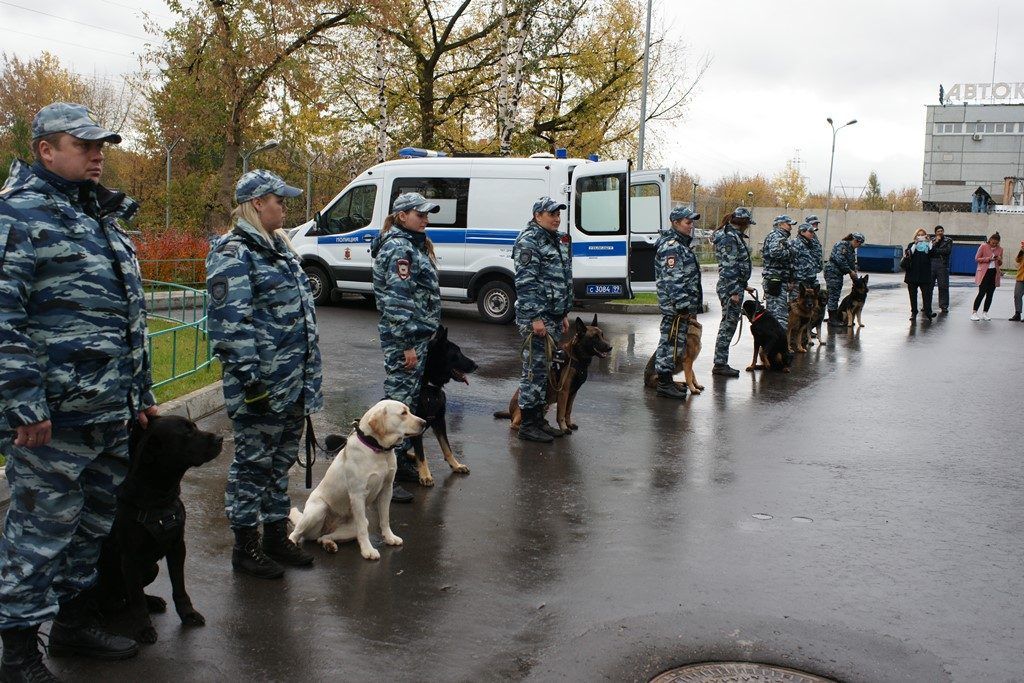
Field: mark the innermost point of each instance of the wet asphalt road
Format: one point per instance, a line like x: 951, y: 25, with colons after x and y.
x: 888, y: 462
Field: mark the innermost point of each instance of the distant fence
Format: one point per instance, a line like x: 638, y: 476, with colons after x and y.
x: 184, y: 348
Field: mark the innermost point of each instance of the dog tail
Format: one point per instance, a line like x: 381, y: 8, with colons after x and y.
x: 503, y: 415
x: 334, y: 442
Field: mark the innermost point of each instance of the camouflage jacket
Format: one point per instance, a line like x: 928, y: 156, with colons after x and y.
x: 406, y: 287
x: 262, y: 322
x: 843, y: 259
x: 778, y: 256
x: 72, y: 309
x: 677, y: 274
x: 806, y: 258
x: 543, y: 261
x: 733, y: 260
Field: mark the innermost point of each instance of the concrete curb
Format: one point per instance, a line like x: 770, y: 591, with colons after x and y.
x: 643, y: 309
x: 195, y: 406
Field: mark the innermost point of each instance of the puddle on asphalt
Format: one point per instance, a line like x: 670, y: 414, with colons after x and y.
x: 803, y: 520
x: 761, y: 515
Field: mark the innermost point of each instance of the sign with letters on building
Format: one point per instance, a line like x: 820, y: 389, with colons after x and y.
x: 1002, y: 92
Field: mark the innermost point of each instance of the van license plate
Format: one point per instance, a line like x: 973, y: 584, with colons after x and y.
x: 597, y: 290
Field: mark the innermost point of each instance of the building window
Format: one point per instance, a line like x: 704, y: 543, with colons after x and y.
x: 948, y: 128
x: 998, y: 127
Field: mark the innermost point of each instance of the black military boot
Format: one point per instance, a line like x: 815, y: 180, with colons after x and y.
x: 248, y: 557
x: 407, y: 471
x: 77, y: 632
x: 833, y: 318
x: 22, y: 661
x: 530, y: 429
x: 724, y: 370
x: 545, y: 426
x: 668, y: 388
x: 279, y: 547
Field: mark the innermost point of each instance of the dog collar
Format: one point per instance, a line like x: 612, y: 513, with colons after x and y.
x: 369, y: 441
x: 757, y: 317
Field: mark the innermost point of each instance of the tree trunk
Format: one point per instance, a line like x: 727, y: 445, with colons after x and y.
x: 426, y: 98
x: 227, y: 177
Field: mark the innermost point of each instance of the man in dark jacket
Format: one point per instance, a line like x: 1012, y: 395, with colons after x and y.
x: 942, y: 250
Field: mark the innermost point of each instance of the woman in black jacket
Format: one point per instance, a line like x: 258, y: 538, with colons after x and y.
x: 918, y: 262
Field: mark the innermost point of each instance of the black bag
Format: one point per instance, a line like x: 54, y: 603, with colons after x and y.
x: 905, y: 261
x: 773, y: 287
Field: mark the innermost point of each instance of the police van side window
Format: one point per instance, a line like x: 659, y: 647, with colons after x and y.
x: 600, y: 204
x: 352, y: 211
x: 645, y: 207
x: 451, y: 194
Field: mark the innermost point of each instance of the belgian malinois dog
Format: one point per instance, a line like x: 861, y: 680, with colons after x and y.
x: 683, y: 363
x: 565, y: 377
x: 802, y: 312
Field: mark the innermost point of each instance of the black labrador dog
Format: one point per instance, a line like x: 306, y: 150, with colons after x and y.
x: 150, y: 523
x: 770, y: 344
x: 445, y: 362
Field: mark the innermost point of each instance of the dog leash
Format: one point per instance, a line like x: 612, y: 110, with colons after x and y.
x: 549, y: 351
x: 673, y: 334
x: 311, y: 445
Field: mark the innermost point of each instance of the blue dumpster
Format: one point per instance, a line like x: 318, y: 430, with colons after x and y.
x: 879, y: 258
x: 962, y: 261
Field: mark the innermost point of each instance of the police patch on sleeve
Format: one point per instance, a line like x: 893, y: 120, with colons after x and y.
x: 402, y: 268
x: 670, y: 262
x: 219, y: 289
x: 524, y: 257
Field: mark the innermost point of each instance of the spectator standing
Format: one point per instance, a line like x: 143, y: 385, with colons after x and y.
x: 987, y: 275
x: 940, y: 253
x: 918, y: 277
x: 1018, y: 286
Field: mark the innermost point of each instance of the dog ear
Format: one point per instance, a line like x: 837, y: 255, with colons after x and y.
x: 376, y: 423
x: 594, y: 324
x: 442, y: 332
x: 865, y: 279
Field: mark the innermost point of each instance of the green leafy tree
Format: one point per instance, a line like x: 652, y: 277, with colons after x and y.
x: 790, y: 187
x: 873, y: 198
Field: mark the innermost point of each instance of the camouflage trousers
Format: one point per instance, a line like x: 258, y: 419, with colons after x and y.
x: 62, y: 507
x: 778, y: 305
x: 266, y: 447
x: 534, y: 378
x: 672, y: 342
x: 727, y: 328
x: 401, y: 384
x: 834, y: 284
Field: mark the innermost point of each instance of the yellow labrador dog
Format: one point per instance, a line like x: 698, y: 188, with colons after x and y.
x: 360, y: 477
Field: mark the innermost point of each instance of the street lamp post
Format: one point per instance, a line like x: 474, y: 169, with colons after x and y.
x: 643, y: 88
x: 828, y: 197
x: 269, y: 144
x: 693, y: 201
x: 167, y: 197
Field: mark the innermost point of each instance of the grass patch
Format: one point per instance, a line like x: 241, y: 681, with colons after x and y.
x: 182, y: 357
x: 641, y: 298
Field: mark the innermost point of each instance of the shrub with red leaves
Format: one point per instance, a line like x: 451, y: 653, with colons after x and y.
x: 172, y: 256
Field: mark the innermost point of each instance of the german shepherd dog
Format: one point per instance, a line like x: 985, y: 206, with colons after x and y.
x: 769, y: 339
x: 852, y: 304
x: 684, y: 363
x: 802, y: 312
x: 565, y: 377
x: 445, y: 362
x: 819, y: 318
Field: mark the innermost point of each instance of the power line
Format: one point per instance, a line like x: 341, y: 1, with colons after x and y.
x: 48, y: 39
x: 73, y: 21
x: 124, y: 6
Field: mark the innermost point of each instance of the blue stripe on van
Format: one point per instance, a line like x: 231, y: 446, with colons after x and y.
x: 599, y: 248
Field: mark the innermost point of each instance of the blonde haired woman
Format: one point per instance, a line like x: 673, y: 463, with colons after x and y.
x: 263, y: 328
x: 919, y: 273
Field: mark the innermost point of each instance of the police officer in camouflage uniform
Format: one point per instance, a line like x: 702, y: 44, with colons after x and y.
x: 73, y: 372
x: 777, y: 270
x: 815, y: 246
x: 408, y: 295
x: 680, y: 296
x: 806, y: 256
x: 843, y: 261
x: 263, y: 327
x: 734, y: 270
x: 543, y: 261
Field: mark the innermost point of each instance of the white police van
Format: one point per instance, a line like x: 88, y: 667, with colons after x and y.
x: 485, y: 202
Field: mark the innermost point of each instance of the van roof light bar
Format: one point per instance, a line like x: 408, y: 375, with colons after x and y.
x: 418, y: 152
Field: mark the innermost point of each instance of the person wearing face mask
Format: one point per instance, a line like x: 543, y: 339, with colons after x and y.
x: 74, y: 372
x: 263, y: 327
x: 917, y: 256
x: 988, y: 275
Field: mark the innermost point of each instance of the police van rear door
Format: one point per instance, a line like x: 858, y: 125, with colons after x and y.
x: 599, y: 230
x: 649, y: 205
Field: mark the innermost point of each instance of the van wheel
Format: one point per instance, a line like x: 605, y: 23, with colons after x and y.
x: 319, y: 285
x: 496, y: 302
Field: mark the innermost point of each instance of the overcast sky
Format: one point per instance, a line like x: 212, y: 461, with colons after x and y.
x: 778, y: 70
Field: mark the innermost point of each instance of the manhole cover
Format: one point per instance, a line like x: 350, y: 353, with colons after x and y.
x: 735, y: 672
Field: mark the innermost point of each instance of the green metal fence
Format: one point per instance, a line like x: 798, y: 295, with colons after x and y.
x: 184, y: 271
x: 183, y: 348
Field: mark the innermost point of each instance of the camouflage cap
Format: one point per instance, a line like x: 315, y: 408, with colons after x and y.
x: 74, y: 119
x: 812, y: 219
x: 859, y: 236
x: 783, y: 219
x: 413, y: 201
x: 547, y: 204
x: 681, y: 212
x: 807, y: 227
x: 744, y: 212
x: 262, y: 182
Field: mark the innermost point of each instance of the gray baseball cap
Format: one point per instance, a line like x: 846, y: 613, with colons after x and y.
x: 548, y: 204
x: 262, y: 182
x: 413, y: 201
x: 807, y: 226
x: 812, y: 219
x: 76, y: 120
x: 681, y: 212
x: 859, y: 236
x: 744, y: 212
x: 779, y: 220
